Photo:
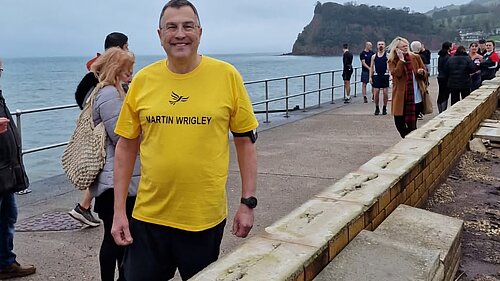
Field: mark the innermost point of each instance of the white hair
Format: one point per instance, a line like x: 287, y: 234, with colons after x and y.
x: 416, y: 46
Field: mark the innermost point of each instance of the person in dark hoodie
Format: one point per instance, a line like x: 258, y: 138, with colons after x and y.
x: 82, y: 211
x: 458, y: 70
x: 444, y: 91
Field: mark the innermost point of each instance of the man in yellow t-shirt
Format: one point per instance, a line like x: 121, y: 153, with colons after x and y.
x: 179, y: 112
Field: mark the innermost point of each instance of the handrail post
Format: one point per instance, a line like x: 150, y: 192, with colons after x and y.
x: 267, y: 103
x: 19, y: 127
x: 304, y: 95
x: 319, y: 90
x: 333, y: 87
x: 286, y: 95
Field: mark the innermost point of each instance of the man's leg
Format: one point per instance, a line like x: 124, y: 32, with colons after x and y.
x: 8, y: 217
x: 9, y: 267
x: 385, y: 91
x: 347, y: 89
x: 196, y: 250
x: 376, y: 95
x: 149, y: 256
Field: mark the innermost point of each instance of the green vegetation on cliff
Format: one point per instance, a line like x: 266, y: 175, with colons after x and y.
x: 335, y: 24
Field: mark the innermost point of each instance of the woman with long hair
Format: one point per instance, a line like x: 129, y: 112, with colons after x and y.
x: 408, y: 85
x: 444, y: 91
x: 476, y: 59
x: 115, y: 68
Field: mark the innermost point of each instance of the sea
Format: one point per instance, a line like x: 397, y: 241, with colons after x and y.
x: 31, y: 83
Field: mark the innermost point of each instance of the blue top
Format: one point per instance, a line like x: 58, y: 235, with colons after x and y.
x: 367, y: 57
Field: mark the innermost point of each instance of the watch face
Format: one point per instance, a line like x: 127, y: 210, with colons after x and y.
x: 251, y: 202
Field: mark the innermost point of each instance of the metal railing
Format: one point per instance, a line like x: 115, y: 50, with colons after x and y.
x: 286, y: 96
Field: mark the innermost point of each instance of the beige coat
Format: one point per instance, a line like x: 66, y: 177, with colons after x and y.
x: 398, y: 72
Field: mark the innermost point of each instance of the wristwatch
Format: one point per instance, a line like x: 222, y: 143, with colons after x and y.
x: 250, y: 202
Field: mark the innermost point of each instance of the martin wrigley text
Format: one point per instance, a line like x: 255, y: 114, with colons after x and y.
x: 179, y: 120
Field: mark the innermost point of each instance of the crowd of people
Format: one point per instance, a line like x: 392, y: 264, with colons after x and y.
x: 459, y: 73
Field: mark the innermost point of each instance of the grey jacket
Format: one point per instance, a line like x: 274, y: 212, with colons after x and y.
x: 107, y: 106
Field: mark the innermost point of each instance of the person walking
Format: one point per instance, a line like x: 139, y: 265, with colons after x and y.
x: 347, y: 71
x: 457, y: 71
x: 82, y: 211
x: 476, y: 59
x: 13, y: 178
x: 365, y: 57
x: 178, y: 112
x: 408, y: 85
x: 115, y: 68
x: 379, y: 77
x: 444, y: 91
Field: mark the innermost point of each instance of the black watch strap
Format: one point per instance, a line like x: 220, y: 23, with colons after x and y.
x: 250, y: 202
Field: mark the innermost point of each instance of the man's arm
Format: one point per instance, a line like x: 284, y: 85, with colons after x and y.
x: 247, y: 161
x: 372, y: 66
x: 125, y: 154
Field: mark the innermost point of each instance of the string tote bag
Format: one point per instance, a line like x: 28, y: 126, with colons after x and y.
x: 85, y: 154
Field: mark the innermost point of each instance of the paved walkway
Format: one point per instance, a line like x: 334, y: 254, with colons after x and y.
x: 297, y: 158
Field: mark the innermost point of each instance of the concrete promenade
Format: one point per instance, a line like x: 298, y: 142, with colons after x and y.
x: 297, y: 158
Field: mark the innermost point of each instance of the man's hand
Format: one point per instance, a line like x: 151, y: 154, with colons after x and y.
x: 4, y: 124
x: 120, y: 229
x: 242, y: 222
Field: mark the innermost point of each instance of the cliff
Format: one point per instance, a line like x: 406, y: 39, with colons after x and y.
x: 335, y: 24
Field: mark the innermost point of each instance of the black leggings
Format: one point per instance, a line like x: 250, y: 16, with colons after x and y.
x: 110, y: 254
x: 457, y: 92
x: 400, y: 122
x: 444, y: 91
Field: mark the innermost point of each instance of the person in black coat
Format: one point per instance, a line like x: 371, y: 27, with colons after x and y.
x: 444, y: 91
x: 12, y: 178
x: 458, y: 70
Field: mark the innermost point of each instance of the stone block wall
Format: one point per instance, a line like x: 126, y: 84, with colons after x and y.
x: 298, y: 246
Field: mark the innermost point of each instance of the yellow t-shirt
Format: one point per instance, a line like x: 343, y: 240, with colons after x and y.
x: 184, y: 120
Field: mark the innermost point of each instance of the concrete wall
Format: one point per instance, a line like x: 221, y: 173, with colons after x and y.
x: 300, y: 245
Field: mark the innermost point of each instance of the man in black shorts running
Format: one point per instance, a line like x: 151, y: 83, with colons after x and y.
x: 379, y: 77
x: 347, y: 73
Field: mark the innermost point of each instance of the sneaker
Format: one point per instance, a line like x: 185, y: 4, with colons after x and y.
x: 377, y: 110
x: 24, y: 191
x: 420, y: 116
x: 365, y: 99
x: 16, y: 270
x: 347, y: 100
x: 384, y: 110
x: 84, y: 215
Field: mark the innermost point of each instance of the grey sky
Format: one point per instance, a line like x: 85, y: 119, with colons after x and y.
x: 77, y: 28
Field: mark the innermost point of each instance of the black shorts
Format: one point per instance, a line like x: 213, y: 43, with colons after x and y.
x: 159, y: 250
x: 347, y: 73
x: 365, y: 76
x: 380, y: 81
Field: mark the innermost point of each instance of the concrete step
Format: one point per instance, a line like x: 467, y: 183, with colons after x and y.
x: 372, y: 256
x: 421, y: 228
